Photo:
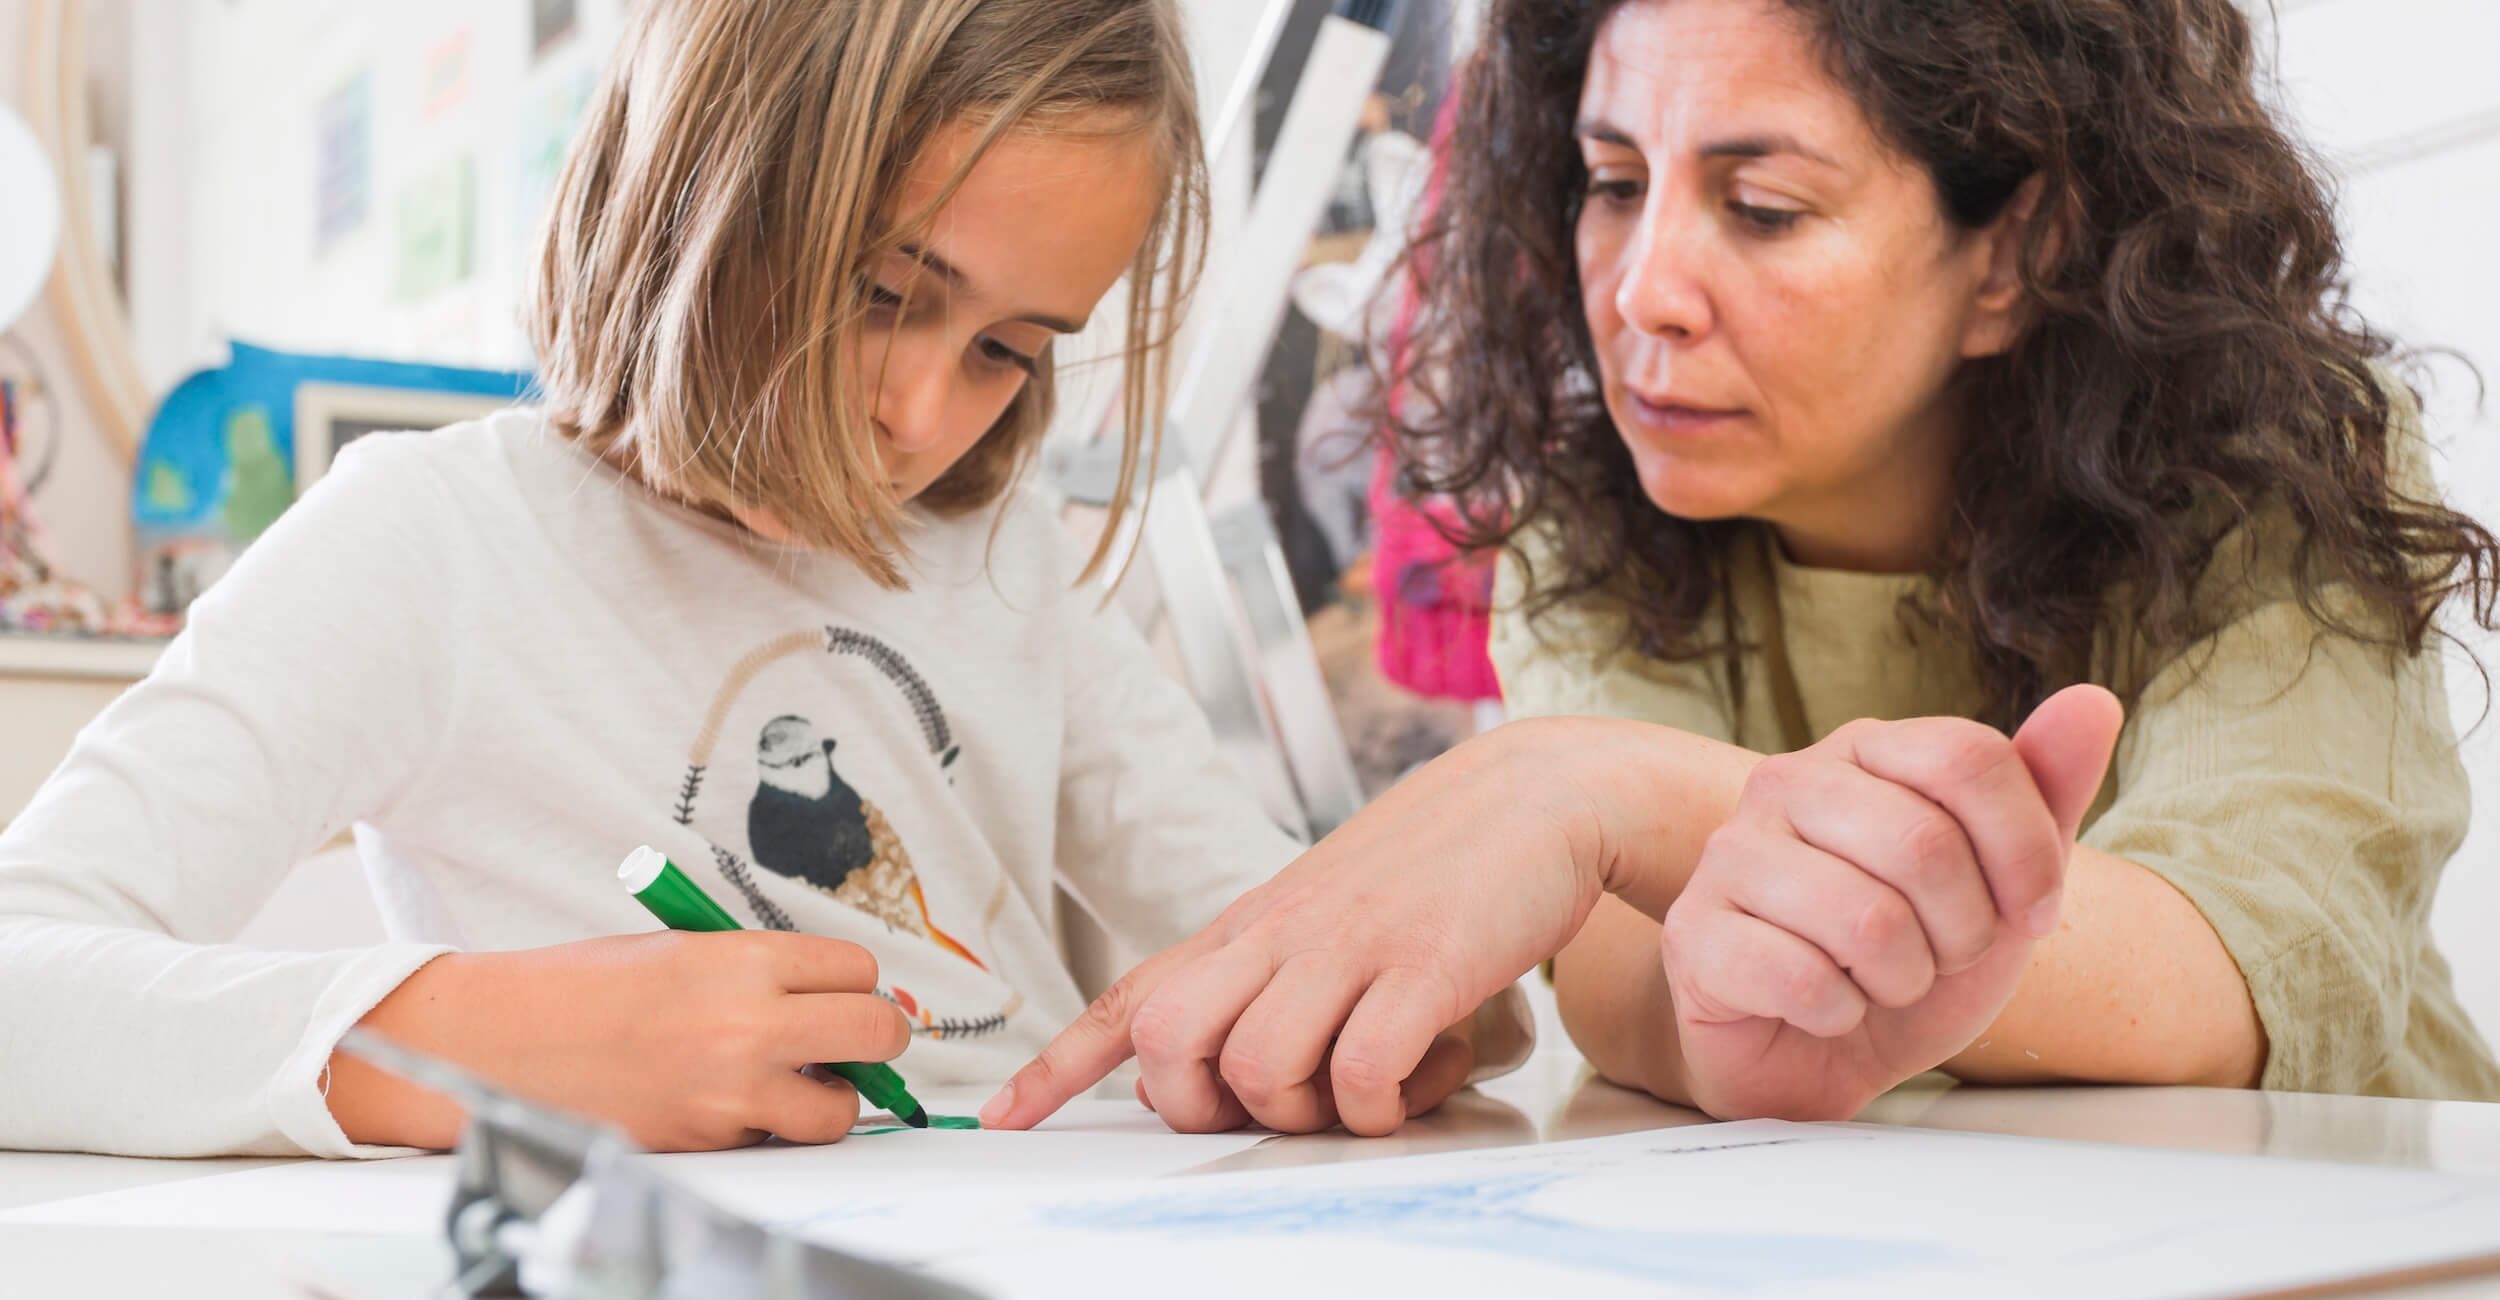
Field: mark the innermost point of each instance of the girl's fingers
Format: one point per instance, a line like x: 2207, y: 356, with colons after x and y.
x: 1866, y: 928
x: 1180, y: 1032
x: 810, y: 963
x: 838, y: 1027
x: 1976, y: 774
x: 1906, y: 840
x: 797, y: 1108
x: 1384, y: 1040
x: 1276, y: 1059
x: 1724, y: 966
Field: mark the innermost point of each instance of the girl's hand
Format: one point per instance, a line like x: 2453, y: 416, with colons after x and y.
x: 688, y: 1042
x: 1872, y: 903
x: 1330, y: 994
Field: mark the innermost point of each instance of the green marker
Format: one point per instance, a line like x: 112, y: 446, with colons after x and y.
x: 681, y: 904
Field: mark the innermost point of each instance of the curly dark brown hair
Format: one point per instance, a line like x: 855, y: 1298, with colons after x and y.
x: 2190, y: 359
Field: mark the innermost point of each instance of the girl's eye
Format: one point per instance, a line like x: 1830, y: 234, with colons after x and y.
x: 999, y: 354
x: 1768, y: 221
x: 880, y: 296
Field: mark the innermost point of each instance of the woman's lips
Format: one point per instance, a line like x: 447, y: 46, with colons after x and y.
x: 1678, y: 419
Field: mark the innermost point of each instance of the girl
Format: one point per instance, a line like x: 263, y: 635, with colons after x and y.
x: 1850, y: 381
x: 755, y: 587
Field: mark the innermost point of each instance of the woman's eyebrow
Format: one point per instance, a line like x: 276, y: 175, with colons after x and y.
x: 1765, y: 145
x: 1603, y: 133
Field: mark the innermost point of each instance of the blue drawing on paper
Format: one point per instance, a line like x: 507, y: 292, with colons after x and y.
x: 1497, y: 1216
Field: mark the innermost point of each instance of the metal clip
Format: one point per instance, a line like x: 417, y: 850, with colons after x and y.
x: 549, y: 1204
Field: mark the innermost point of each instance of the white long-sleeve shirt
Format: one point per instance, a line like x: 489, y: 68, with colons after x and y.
x: 504, y: 667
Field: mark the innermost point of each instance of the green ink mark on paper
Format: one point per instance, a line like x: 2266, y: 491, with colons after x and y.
x: 951, y: 1122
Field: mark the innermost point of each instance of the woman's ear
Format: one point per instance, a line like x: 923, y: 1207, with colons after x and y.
x: 2000, y: 309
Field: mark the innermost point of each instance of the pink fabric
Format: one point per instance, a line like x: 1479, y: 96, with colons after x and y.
x: 1435, y: 602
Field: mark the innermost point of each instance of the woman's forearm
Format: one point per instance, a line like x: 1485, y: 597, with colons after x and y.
x: 1612, y: 992
x: 2134, y: 987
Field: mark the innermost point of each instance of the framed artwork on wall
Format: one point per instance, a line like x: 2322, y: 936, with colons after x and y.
x: 330, y: 416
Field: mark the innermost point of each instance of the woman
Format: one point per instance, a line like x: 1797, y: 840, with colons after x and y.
x: 1829, y: 361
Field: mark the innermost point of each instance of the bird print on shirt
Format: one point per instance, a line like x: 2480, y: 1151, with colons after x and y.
x: 808, y: 823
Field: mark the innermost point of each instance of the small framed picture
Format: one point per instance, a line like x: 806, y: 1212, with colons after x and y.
x: 330, y: 416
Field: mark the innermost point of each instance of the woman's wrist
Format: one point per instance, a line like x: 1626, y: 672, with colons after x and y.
x: 1637, y: 801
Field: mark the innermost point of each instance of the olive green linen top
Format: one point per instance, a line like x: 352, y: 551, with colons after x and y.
x: 2302, y: 789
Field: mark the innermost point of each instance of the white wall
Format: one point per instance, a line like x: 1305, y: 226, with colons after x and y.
x: 261, y: 69
x: 2403, y: 97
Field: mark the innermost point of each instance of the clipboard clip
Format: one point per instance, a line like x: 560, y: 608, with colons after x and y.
x: 556, y: 1206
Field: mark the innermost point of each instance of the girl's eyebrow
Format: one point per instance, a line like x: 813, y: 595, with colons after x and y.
x: 956, y: 279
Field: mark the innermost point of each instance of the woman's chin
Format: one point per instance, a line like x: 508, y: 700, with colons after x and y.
x: 1696, y: 497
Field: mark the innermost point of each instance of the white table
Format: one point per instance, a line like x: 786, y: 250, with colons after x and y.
x: 1550, y: 1100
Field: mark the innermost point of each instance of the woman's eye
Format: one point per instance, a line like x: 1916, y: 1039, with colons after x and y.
x: 880, y: 296
x: 1615, y: 190
x: 1768, y: 221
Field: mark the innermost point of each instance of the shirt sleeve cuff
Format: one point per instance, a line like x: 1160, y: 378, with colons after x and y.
x: 298, y: 1095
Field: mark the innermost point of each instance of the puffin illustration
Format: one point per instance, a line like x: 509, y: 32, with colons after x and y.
x: 807, y: 823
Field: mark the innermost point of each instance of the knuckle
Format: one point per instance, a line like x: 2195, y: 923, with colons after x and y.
x: 1113, y: 1009
x: 1157, y: 1032
x: 739, y: 1037
x: 1880, y: 928
x: 1802, y: 987
x: 1360, y: 1073
x: 1966, y: 752
x: 1251, y: 1073
x: 757, y: 951
x: 1928, y: 850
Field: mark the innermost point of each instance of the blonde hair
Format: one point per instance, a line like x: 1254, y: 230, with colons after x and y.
x: 705, y: 260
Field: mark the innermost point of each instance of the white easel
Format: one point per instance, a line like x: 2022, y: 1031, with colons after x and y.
x: 1222, y: 581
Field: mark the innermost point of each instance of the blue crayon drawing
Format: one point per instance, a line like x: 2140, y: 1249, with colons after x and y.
x: 1496, y: 1216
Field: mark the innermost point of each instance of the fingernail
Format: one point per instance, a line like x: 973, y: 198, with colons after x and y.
x: 995, y: 1112
x: 2044, y: 917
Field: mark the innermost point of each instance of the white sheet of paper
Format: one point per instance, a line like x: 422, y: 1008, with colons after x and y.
x: 1089, y: 1140
x: 1078, y: 1209
x: 1758, y: 1207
